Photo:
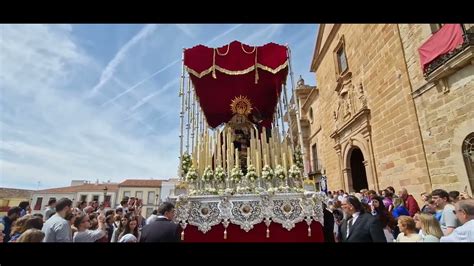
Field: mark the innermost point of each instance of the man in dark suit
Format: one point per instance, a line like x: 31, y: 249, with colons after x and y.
x: 163, y: 229
x: 360, y: 226
x: 328, y: 227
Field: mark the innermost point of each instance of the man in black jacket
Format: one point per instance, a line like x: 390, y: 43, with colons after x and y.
x: 163, y: 229
x: 328, y: 227
x: 359, y: 225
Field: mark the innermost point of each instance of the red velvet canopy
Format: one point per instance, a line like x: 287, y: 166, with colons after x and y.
x: 221, y: 74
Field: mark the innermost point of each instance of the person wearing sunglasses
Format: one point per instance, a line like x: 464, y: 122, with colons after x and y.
x: 465, y: 213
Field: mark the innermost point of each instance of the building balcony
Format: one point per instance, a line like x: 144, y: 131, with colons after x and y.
x: 449, y: 60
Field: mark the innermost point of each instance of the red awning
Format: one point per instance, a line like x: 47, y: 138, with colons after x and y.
x: 221, y: 74
x: 445, y: 40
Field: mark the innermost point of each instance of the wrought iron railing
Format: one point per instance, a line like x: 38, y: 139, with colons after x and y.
x: 468, y: 41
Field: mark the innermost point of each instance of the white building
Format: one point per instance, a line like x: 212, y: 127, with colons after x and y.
x: 148, y: 190
x: 168, y: 188
x: 101, y: 192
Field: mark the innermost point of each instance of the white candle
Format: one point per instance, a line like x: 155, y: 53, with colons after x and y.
x: 237, y: 161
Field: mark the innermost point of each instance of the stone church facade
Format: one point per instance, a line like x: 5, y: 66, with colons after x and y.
x: 376, y: 119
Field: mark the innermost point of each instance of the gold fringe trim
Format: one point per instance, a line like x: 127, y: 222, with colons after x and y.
x: 214, y: 64
x: 224, y: 54
x: 238, y: 72
x: 243, y: 49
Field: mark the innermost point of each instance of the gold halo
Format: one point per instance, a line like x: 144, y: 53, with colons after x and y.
x: 241, y: 105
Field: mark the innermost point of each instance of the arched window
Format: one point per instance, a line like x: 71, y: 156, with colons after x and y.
x: 468, y: 155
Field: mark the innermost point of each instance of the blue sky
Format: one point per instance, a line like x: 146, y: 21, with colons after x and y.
x: 101, y: 101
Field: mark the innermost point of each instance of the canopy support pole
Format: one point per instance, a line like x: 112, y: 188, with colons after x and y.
x: 280, y: 105
x: 181, y: 118
x: 298, y: 117
x: 188, y: 105
x: 193, y: 120
x: 290, y: 122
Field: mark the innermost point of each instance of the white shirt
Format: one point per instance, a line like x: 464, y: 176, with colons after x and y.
x: 152, y: 218
x: 89, y: 235
x: 354, y: 218
x: 124, y: 209
x: 463, y: 233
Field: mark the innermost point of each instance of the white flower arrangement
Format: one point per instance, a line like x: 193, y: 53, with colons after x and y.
x: 298, y: 158
x: 251, y: 173
x: 280, y: 172
x: 283, y: 189
x: 219, y: 174
x: 211, y: 190
x: 228, y: 191
x: 294, y: 171
x: 298, y: 190
x: 186, y: 163
x: 236, y: 174
x: 208, y: 174
x: 242, y: 189
x: 192, y: 175
x: 272, y: 190
x: 267, y: 173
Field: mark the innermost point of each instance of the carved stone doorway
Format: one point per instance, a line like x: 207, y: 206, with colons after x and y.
x: 357, y: 170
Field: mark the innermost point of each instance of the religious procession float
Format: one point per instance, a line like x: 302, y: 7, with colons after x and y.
x: 241, y: 172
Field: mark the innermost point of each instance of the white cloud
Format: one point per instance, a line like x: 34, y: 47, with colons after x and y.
x: 145, y: 99
x: 225, y: 33
x: 261, y: 36
x: 50, y: 135
x: 119, y: 57
x: 48, y: 63
x: 140, y: 82
x: 189, y: 30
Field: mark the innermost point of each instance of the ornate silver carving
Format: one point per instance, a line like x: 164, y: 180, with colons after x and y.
x: 287, y: 212
x: 267, y: 206
x: 204, y: 215
x: 307, y: 206
x: 318, y: 199
x: 183, y: 205
x: 248, y: 210
x: 225, y: 208
x: 247, y: 214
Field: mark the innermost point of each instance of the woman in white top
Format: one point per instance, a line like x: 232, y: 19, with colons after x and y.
x: 430, y: 230
x: 407, y: 227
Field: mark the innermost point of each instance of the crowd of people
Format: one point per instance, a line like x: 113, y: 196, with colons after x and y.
x: 367, y: 216
x: 89, y: 222
x: 387, y: 216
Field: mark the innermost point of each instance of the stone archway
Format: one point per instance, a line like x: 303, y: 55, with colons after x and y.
x: 358, y: 174
x: 357, y: 167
